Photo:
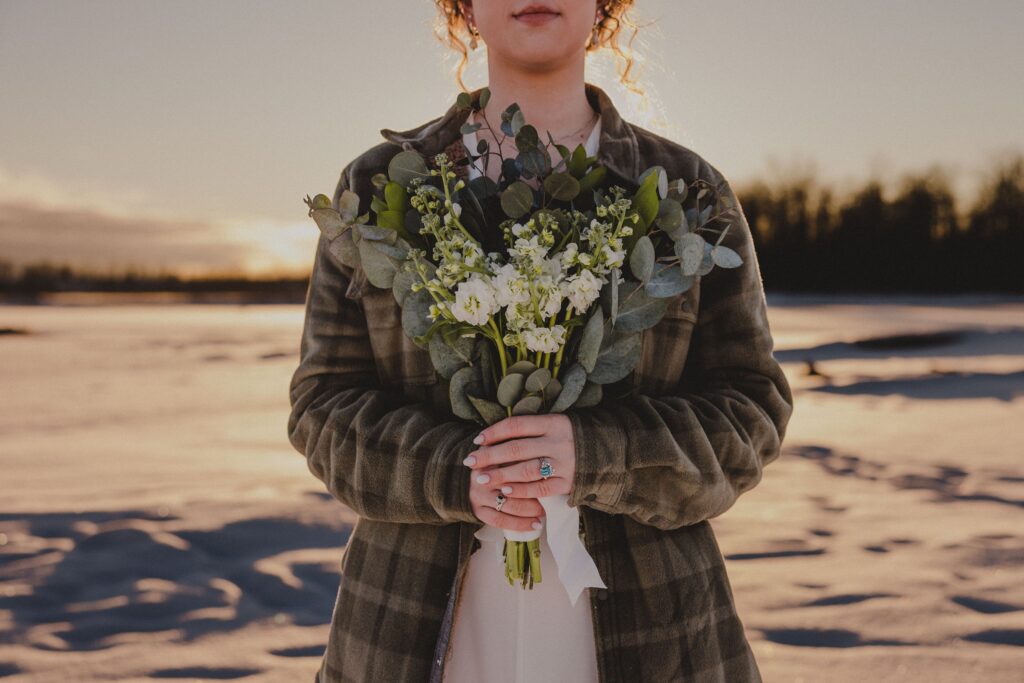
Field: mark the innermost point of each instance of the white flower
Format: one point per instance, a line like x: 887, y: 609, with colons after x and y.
x: 510, y: 286
x: 474, y: 301
x: 582, y: 289
x: 544, y: 339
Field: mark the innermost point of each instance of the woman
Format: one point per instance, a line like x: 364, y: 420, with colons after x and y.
x: 703, y: 412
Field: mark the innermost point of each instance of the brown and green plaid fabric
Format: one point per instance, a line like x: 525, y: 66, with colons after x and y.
x: 667, y: 449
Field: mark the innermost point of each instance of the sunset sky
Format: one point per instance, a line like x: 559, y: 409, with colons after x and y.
x: 184, y: 134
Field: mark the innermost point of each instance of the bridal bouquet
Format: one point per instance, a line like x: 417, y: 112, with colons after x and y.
x: 541, y: 322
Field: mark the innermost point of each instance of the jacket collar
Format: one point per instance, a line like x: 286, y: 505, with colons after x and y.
x: 617, y: 150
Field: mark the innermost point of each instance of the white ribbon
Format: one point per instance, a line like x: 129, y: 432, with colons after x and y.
x: 576, y: 569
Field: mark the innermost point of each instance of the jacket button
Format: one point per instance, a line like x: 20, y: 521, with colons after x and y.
x: 590, y: 496
x: 602, y: 594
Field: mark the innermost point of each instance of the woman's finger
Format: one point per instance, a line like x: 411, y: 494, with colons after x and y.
x: 520, y: 507
x: 536, y: 489
x: 513, y: 450
x: 489, y: 515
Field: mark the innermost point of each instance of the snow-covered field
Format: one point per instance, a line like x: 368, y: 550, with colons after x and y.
x: 156, y: 523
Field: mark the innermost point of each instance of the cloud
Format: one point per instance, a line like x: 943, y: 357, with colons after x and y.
x: 38, y: 223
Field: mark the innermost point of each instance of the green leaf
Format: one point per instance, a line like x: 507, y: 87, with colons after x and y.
x: 641, y: 259
x: 618, y: 357
x: 528, y: 405
x: 538, y: 379
x: 415, y: 310
x: 668, y: 281
x: 396, y: 196
x: 671, y: 218
x: 510, y: 388
x: 463, y: 380
x: 401, y: 286
x: 348, y: 205
x: 590, y: 396
x: 490, y: 411
x: 446, y: 358
x: 572, y: 384
x: 690, y: 250
x: 517, y: 199
x: 562, y: 186
x: 590, y: 340
x: 523, y: 367
x: 725, y: 257
x: 330, y: 222
x: 405, y: 166
x: 637, y: 311
x: 345, y: 250
x: 660, y: 180
x: 593, y: 179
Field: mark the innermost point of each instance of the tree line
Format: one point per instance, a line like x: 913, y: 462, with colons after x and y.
x: 807, y: 239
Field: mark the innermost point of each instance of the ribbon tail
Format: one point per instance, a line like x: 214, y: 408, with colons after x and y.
x: 576, y: 569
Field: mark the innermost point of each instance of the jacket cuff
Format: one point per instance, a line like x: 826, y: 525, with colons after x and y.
x: 448, y: 480
x: 600, y: 444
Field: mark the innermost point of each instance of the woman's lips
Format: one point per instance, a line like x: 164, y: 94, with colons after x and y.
x: 536, y: 18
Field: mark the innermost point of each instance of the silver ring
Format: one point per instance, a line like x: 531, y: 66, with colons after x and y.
x: 545, y: 468
x: 499, y: 500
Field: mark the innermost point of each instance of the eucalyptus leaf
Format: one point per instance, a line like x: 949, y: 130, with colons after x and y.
x: 552, y: 389
x: 660, y: 180
x: 462, y: 381
x: 348, y: 205
x: 378, y: 233
x: 618, y: 358
x: 344, y: 249
x: 329, y: 221
x: 535, y: 162
x: 725, y: 257
x: 638, y: 311
x: 405, y: 166
x: 668, y: 281
x: 510, y: 388
x: 517, y: 199
x: 572, y: 384
x: 401, y: 287
x: 380, y: 268
x: 447, y: 358
x: 415, y: 312
x: 490, y: 411
x: 641, y: 259
x: 523, y: 367
x: 528, y: 405
x: 538, y: 379
x: 590, y: 340
x: 671, y: 218
x: 590, y: 396
x: 562, y: 186
x: 690, y: 250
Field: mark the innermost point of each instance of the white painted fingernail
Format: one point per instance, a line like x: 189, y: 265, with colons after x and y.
x: 478, y: 439
x: 506, y: 489
x: 483, y: 478
x: 536, y: 525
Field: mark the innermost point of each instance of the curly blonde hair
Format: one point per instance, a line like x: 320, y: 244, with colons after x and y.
x: 451, y: 25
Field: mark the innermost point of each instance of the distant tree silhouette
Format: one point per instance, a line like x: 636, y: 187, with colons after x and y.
x: 806, y: 239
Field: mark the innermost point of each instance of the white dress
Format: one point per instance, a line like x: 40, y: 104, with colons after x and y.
x: 508, y: 634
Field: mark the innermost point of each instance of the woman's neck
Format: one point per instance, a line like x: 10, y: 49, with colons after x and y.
x: 554, y: 101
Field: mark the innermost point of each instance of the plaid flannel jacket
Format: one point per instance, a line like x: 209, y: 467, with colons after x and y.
x: 707, y: 410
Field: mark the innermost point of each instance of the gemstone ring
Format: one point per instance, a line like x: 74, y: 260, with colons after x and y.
x: 499, y: 500
x: 545, y: 468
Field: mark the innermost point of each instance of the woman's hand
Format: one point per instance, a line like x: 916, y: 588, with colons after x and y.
x: 508, y: 460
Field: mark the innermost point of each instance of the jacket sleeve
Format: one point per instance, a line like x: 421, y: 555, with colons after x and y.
x: 677, y: 459
x: 385, y: 457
